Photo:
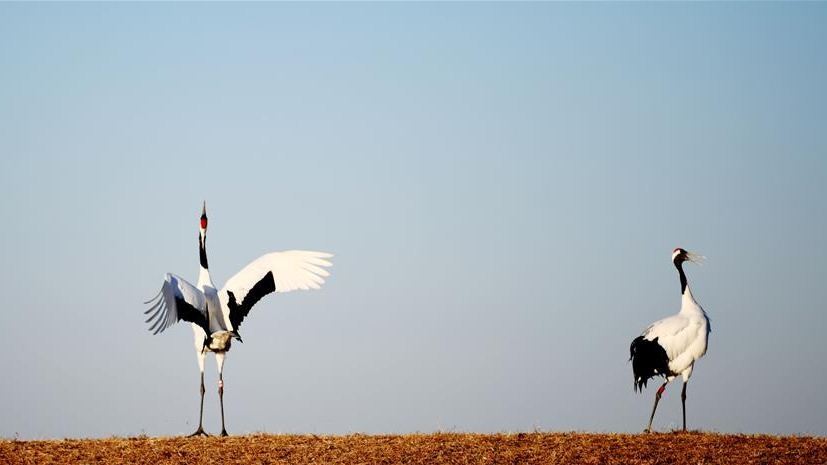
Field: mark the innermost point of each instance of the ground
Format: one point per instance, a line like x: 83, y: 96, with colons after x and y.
x: 677, y: 448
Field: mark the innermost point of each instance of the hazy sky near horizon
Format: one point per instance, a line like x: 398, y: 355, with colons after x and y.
x: 502, y: 185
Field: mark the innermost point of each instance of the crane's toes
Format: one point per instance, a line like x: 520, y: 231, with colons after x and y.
x: 199, y: 432
x: 224, y: 432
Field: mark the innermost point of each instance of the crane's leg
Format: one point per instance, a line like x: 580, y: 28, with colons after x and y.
x: 655, y: 407
x: 219, y: 358
x: 683, y: 404
x: 200, y: 431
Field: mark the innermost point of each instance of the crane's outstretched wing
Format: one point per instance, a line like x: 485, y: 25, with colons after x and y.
x: 274, y: 272
x: 177, y: 300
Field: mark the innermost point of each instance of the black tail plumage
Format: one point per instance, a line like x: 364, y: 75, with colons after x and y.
x: 648, y: 360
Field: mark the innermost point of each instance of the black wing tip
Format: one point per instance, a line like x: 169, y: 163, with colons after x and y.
x: 648, y: 359
x: 187, y: 312
x: 633, y: 347
x: 240, y: 310
x: 639, y: 383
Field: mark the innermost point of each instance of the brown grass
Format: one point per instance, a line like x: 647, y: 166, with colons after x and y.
x: 440, y: 448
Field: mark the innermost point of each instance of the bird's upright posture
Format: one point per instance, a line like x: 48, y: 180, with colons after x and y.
x: 217, y: 314
x: 671, y: 346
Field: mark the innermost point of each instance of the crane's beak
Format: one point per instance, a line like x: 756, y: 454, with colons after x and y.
x: 695, y: 258
x: 236, y: 335
x: 204, y: 209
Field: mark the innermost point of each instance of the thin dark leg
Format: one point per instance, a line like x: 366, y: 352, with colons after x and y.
x: 200, y: 431
x: 221, y: 396
x: 655, y: 407
x: 683, y: 404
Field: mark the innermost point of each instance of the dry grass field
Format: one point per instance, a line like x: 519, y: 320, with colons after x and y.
x: 441, y: 448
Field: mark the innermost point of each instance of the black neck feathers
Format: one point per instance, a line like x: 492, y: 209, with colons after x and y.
x: 202, y: 251
x: 679, y: 266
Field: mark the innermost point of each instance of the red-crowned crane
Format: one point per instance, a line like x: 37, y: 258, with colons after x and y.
x: 671, y: 346
x: 217, y: 314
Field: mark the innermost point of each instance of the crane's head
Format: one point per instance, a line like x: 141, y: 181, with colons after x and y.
x: 680, y: 255
x: 204, y: 218
x: 202, y: 238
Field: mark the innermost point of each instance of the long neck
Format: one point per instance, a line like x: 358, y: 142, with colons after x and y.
x: 688, y: 302
x: 202, y: 250
x: 204, y: 273
x: 679, y: 266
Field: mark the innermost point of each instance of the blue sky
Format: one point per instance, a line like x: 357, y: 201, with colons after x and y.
x: 501, y: 184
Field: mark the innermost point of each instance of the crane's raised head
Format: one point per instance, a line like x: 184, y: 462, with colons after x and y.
x: 202, y: 238
x: 204, y: 217
x: 680, y: 255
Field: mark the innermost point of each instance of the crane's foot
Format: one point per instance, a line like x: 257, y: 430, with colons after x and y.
x: 224, y: 432
x: 199, y: 432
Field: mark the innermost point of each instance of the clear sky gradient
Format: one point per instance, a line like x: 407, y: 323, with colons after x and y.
x: 501, y: 184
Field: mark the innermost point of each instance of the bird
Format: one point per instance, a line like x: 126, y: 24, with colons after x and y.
x: 670, y: 347
x: 216, y: 315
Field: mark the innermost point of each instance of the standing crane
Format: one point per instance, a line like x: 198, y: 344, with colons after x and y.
x: 671, y: 346
x: 216, y: 315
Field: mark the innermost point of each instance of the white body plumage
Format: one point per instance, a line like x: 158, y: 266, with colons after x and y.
x: 683, y: 336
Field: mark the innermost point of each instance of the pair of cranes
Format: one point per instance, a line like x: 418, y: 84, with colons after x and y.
x: 668, y: 347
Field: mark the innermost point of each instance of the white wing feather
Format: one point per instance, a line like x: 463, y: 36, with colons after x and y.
x: 292, y: 270
x: 177, y: 300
